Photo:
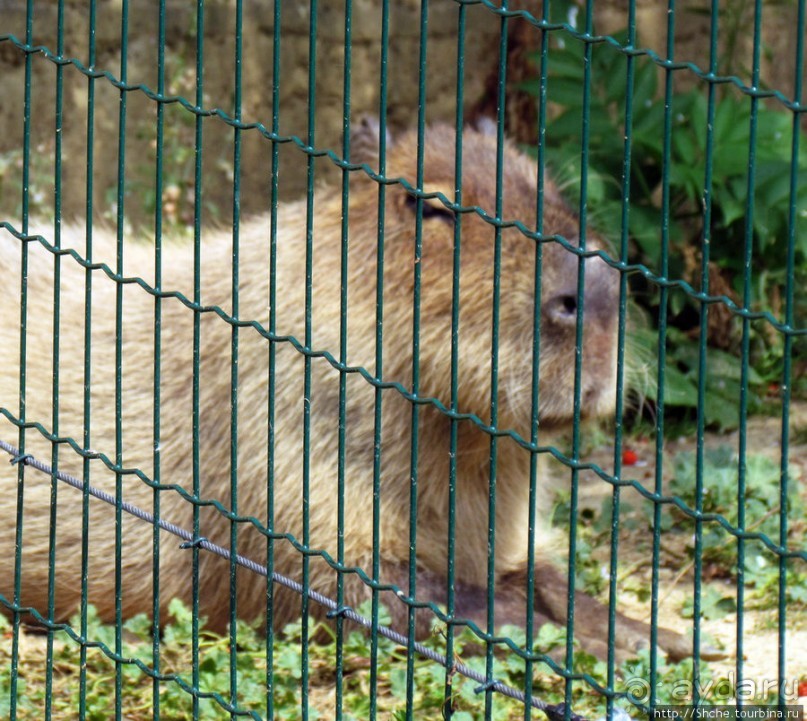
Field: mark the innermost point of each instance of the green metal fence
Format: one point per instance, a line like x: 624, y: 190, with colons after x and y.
x: 691, y: 172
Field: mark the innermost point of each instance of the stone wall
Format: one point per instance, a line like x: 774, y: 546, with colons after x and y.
x: 219, y: 71
x: 481, y: 58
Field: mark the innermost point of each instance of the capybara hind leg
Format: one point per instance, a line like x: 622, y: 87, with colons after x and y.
x: 591, y: 620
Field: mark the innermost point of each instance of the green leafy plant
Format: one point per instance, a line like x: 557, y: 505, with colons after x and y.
x: 686, y: 170
x: 214, y: 673
x: 761, y: 506
x: 723, y: 377
x: 714, y: 604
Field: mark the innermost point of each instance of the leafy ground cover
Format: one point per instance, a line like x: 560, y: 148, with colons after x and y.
x: 717, y: 682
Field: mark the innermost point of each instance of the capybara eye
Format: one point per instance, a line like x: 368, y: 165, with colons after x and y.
x: 432, y: 208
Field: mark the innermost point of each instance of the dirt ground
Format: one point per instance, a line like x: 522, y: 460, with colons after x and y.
x: 760, y: 630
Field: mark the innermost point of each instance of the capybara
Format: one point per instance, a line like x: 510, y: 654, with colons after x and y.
x: 299, y: 445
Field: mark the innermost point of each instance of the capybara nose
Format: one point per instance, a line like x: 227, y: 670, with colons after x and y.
x: 561, y: 309
x: 600, y: 297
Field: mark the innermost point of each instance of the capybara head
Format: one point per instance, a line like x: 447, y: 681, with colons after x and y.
x: 487, y: 279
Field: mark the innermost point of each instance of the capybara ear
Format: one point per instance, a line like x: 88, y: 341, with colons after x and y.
x: 364, y: 141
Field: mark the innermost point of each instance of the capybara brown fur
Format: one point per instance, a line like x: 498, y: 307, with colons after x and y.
x: 299, y: 445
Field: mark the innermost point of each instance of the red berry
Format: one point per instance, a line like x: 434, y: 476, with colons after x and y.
x: 629, y: 457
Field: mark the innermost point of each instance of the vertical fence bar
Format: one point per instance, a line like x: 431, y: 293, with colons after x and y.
x: 26, y: 174
x: 536, y: 351
x: 448, y: 705
x: 703, y: 333
x: 157, y: 360
x: 234, y: 355
x: 197, y: 343
x: 121, y: 201
x: 415, y: 421
x: 494, y: 356
x: 662, y: 348
x: 57, y: 280
x: 379, y: 354
x: 745, y: 344
x: 613, y: 570
x: 578, y: 361
x: 309, y: 270
x: 703, y: 329
x: 529, y: 626
x: 85, y: 505
x: 343, y: 347
x: 270, y: 411
x: 787, y: 370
